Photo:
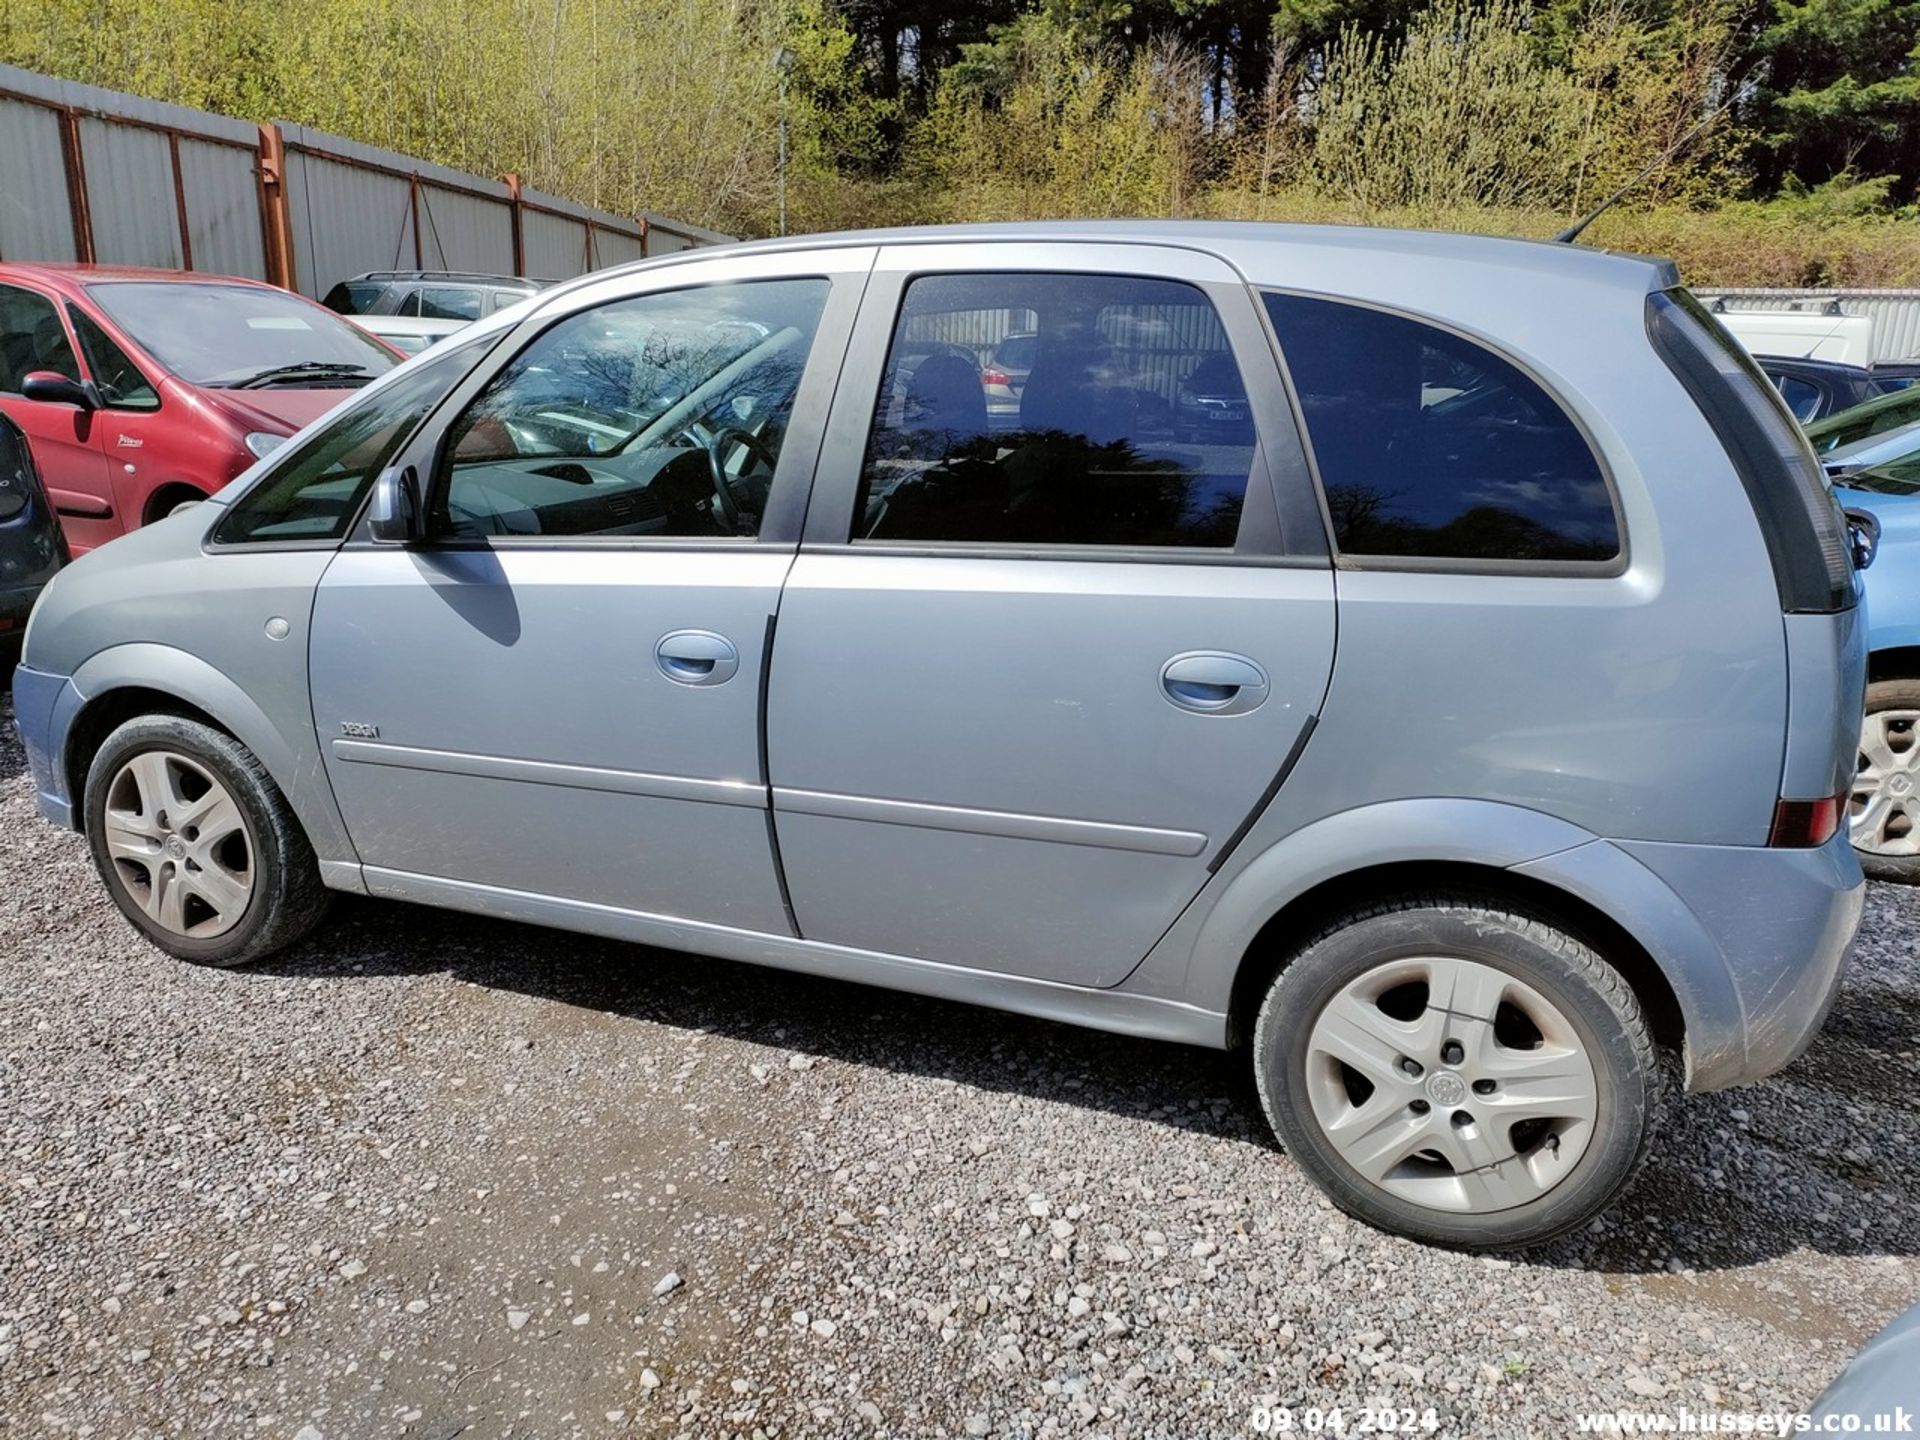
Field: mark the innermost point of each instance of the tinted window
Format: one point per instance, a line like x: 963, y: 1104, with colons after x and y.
x: 31, y: 338
x: 118, y: 379
x: 1431, y: 445
x: 1802, y: 398
x: 448, y: 303
x: 353, y: 297
x: 314, y: 492
x: 243, y: 336
x: 1131, y: 428
x: 661, y: 415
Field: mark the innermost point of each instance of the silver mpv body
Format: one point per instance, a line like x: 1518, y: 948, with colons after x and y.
x: 1455, y: 712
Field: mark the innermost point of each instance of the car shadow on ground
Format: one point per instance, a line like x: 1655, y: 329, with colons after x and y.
x: 1804, y: 1136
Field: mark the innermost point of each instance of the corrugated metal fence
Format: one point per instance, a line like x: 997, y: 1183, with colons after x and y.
x: 1895, y: 313
x: 93, y: 175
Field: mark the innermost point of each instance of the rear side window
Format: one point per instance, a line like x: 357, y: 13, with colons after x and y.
x: 1802, y: 398
x: 314, y: 493
x: 1805, y: 534
x: 1430, y: 446
x: 1125, y: 423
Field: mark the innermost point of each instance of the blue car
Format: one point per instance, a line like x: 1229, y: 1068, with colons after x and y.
x: 1884, y: 810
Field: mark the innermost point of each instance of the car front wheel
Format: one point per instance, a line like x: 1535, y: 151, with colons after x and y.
x: 1458, y: 1072
x: 197, y: 845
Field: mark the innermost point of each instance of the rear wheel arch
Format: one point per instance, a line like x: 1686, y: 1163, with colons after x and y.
x: 1322, y: 905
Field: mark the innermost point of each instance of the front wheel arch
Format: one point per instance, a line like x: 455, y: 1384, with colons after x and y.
x: 168, y: 497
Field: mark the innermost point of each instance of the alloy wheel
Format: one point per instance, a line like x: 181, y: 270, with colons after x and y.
x: 1451, y: 1084
x: 180, y: 845
x: 1883, y: 811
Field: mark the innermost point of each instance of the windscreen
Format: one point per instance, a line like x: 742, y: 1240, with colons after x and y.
x: 241, y: 336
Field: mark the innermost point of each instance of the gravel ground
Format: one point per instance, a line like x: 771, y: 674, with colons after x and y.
x: 430, y: 1176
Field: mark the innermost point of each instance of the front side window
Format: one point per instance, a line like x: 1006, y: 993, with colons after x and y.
x: 354, y: 297
x: 1430, y: 445
x: 31, y: 338
x: 314, y: 492
x: 118, y: 379
x: 659, y: 416
x: 1113, y: 413
x: 241, y: 337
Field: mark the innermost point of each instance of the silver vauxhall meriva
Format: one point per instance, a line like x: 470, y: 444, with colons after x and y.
x: 1455, y: 711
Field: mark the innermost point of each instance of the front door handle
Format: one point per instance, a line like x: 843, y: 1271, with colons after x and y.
x: 1211, y: 682
x: 696, y: 657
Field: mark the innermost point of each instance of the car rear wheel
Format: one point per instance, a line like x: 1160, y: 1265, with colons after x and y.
x: 196, y: 844
x: 1883, y: 816
x: 1458, y: 1073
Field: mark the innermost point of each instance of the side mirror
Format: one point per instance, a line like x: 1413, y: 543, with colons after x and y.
x: 57, y: 389
x: 1863, y: 534
x: 393, y: 517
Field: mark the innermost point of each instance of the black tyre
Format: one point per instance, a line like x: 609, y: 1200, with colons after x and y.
x: 196, y: 844
x: 1458, y: 1073
x: 1883, y: 815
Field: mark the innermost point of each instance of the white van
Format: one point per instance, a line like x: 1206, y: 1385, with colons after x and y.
x: 1805, y: 334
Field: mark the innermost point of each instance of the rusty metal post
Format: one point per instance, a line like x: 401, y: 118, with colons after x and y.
x: 77, y: 205
x: 276, y: 212
x: 512, y: 183
x: 413, y: 199
x: 646, y: 237
x: 180, y: 201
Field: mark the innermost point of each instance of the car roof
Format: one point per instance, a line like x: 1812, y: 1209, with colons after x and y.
x: 466, y: 277
x: 1257, y: 247
x: 1808, y: 365
x: 69, y: 277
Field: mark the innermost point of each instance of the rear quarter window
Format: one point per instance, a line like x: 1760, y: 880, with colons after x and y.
x: 1431, y: 447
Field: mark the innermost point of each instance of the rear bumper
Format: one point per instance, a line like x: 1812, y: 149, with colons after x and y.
x: 1752, y: 940
x: 43, y: 704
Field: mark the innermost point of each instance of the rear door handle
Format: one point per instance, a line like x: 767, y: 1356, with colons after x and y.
x: 1212, y: 682
x: 696, y: 657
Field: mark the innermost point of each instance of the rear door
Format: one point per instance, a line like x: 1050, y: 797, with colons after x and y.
x: 1031, y: 680
x: 65, y: 438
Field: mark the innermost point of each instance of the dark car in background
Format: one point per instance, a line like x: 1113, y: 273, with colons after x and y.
x: 429, y: 294
x: 1815, y: 389
x: 146, y: 390
x: 31, y: 545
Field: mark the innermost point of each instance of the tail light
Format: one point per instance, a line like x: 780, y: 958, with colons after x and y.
x: 1806, y: 824
x: 990, y: 376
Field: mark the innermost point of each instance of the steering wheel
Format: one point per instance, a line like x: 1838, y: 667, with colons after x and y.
x: 717, y: 449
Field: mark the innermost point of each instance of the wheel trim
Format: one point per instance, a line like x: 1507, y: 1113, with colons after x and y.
x: 181, y: 850
x: 1481, y: 1125
x: 1883, y: 811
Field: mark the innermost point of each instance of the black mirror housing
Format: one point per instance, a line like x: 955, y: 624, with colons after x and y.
x: 53, y: 388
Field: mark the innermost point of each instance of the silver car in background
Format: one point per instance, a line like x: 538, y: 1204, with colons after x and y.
x: 1459, y: 726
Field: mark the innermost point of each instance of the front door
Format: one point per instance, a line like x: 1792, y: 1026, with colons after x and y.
x: 65, y: 438
x: 1033, y: 677
x: 558, y: 693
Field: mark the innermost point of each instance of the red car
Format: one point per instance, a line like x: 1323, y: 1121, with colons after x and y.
x: 145, y: 390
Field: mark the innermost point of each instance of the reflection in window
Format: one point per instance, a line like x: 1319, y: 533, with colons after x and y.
x: 1431, y: 445
x: 1110, y: 412
x: 661, y: 415
x: 31, y: 338
x: 313, y: 492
